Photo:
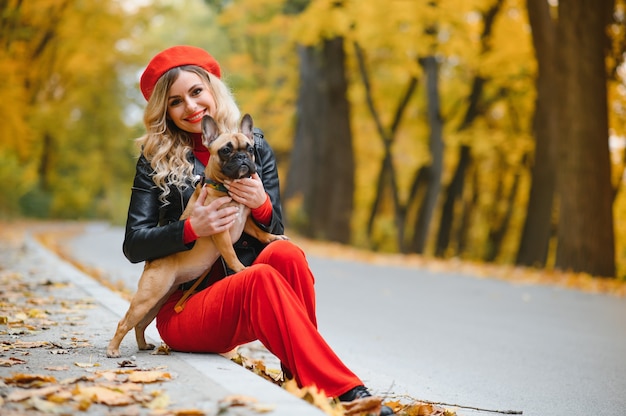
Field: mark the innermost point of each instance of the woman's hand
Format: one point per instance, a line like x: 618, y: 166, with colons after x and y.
x: 214, y: 217
x: 247, y: 191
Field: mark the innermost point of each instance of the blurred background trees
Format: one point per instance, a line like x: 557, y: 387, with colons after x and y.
x: 486, y: 130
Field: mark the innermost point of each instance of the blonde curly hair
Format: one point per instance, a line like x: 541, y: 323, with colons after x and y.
x: 166, y: 146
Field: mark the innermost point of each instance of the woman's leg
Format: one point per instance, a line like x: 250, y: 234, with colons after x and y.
x: 290, y: 262
x: 257, y: 303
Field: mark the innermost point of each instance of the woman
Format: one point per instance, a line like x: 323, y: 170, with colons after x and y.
x: 272, y: 300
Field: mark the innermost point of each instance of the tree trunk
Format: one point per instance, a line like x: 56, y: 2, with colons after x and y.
x: 334, y: 183
x: 322, y: 166
x: 304, y: 157
x: 435, y: 169
x: 537, y: 231
x: 454, y: 193
x: 497, y: 231
x: 468, y: 207
x: 585, y: 232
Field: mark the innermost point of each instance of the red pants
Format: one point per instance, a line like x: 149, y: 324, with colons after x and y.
x: 272, y: 301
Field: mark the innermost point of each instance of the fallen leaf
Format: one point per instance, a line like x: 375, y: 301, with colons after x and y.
x: 366, y: 405
x: 84, y: 403
x: 162, y: 401
x: 103, y: 395
x: 20, y: 395
x: 426, y: 409
x: 62, y: 396
x: 80, y: 344
x: 262, y: 408
x: 87, y: 365
x: 44, y: 406
x: 74, y: 318
x: 128, y: 388
x: 30, y: 344
x: 57, y: 368
x: 36, y: 313
x: 315, y: 397
x: 29, y: 379
x: 21, y: 316
x: 11, y: 361
x: 237, y: 400
x: 162, y: 350
x: 189, y: 412
x: 127, y: 363
x: 149, y: 376
x: 111, y: 375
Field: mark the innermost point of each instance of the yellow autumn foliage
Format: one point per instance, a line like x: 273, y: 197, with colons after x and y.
x: 76, y: 91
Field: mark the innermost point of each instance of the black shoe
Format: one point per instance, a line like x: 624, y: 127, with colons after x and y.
x: 287, y: 374
x: 356, y: 393
x: 360, y: 392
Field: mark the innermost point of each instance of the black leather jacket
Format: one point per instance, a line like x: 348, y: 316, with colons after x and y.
x: 154, y: 230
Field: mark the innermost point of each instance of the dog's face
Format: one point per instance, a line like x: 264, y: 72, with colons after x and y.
x: 232, y: 153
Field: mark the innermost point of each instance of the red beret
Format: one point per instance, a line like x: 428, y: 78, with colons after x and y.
x: 171, y: 58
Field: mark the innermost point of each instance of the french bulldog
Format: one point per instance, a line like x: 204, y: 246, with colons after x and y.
x: 232, y: 157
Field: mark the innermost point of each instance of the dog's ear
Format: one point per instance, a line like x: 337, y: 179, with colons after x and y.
x: 209, y: 130
x: 246, y: 125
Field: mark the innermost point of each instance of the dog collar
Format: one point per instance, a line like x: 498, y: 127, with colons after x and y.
x: 215, y: 185
x: 200, y: 178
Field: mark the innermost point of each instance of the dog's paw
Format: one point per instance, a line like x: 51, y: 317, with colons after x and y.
x: 147, y: 347
x: 113, y: 353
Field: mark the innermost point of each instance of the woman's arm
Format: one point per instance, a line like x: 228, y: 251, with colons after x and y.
x: 144, y: 238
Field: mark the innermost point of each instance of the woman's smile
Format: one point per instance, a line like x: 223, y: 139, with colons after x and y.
x: 196, y: 117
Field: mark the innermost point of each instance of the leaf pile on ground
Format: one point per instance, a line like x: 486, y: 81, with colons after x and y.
x: 257, y: 359
x: 27, y: 310
x: 48, y: 361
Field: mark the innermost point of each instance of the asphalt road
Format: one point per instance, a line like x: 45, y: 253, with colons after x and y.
x: 452, y: 338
